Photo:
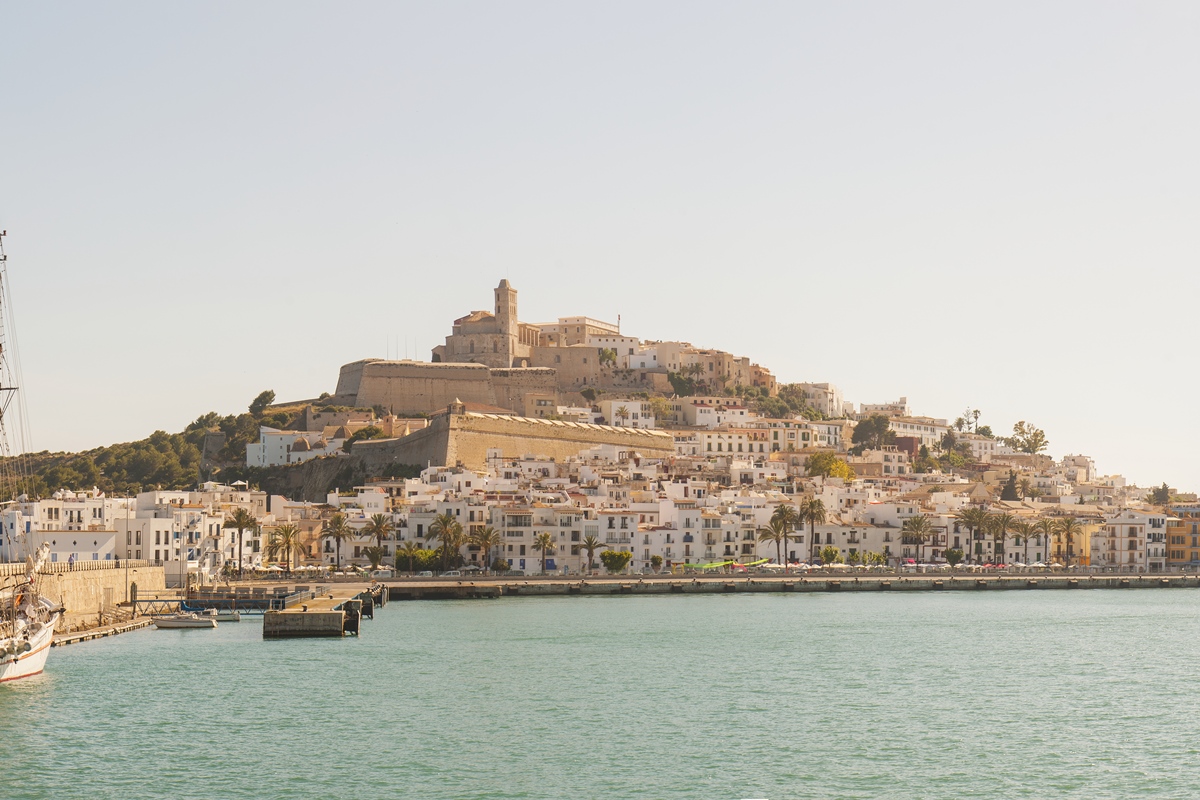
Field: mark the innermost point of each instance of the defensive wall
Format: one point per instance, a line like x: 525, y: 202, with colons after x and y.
x: 465, y: 438
x: 415, y: 387
x: 87, y: 588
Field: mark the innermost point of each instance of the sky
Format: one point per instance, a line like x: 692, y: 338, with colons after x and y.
x: 984, y: 205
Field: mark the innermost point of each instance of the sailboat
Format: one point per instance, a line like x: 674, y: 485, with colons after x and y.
x: 27, y: 618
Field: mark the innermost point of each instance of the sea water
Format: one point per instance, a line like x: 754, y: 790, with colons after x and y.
x: 992, y: 694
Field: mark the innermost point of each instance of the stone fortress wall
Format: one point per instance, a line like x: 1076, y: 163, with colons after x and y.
x: 465, y: 438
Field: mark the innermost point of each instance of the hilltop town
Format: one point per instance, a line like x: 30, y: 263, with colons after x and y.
x: 544, y: 447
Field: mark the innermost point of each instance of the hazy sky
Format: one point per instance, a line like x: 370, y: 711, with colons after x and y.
x: 967, y: 204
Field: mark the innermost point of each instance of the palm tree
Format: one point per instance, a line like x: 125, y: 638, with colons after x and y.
x: 409, y: 549
x: 337, y: 529
x: 590, y: 545
x: 486, y: 539
x: 449, y: 532
x: 1069, y: 528
x: 973, y: 519
x: 1024, y: 530
x: 379, y: 527
x: 1001, y: 526
x: 777, y: 533
x: 544, y: 542
x: 622, y: 413
x: 788, y: 516
x: 1045, y: 528
x: 916, y: 530
x: 812, y: 511
x: 285, y: 540
x: 243, y: 520
x: 1025, y: 486
x: 375, y: 554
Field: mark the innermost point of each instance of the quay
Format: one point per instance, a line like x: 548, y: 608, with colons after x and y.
x: 484, y: 588
x: 333, y: 611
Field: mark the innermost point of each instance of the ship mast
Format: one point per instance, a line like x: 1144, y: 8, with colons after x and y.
x: 14, y: 433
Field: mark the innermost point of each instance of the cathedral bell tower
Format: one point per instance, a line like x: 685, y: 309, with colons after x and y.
x: 506, y: 319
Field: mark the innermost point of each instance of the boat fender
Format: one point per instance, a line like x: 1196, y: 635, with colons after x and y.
x: 26, y: 647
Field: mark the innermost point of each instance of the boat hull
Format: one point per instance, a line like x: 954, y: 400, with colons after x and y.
x: 33, y: 662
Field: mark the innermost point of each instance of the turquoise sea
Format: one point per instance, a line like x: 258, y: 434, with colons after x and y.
x: 1005, y: 694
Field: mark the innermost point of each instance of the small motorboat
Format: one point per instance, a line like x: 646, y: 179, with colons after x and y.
x: 185, y: 620
x: 227, y: 616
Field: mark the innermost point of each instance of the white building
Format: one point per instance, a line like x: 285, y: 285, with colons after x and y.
x: 276, y: 448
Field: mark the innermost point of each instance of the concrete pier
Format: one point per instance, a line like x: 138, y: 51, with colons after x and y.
x: 338, y: 613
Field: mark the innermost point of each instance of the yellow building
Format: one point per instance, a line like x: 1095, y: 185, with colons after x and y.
x: 1183, y: 538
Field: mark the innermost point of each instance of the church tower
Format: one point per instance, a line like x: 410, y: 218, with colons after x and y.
x: 506, y: 308
x: 506, y: 320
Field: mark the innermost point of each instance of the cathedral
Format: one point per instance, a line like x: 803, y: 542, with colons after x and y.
x: 497, y: 340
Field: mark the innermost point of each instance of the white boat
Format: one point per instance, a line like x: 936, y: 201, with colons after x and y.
x: 27, y: 623
x: 185, y: 620
x: 229, y: 616
x: 27, y: 619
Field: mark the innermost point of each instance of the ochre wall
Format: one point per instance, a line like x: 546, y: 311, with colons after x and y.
x: 466, y: 438
x: 84, y: 592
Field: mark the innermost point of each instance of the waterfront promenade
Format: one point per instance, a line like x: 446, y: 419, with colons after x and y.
x: 539, y: 586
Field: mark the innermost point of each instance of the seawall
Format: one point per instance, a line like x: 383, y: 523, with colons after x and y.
x: 732, y: 584
x: 89, y: 588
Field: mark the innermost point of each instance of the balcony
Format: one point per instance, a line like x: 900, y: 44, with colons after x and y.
x: 617, y: 540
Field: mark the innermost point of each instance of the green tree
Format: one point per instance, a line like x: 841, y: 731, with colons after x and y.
x: 486, y: 539
x: 788, y: 515
x: 1009, y: 492
x: 283, y: 542
x: 590, y: 545
x: 1069, y: 529
x: 831, y: 555
x: 608, y: 356
x: 916, y: 531
x: 337, y: 529
x: 375, y: 554
x: 500, y: 565
x: 1024, y: 487
x: 242, y: 520
x: 409, y: 550
x: 812, y: 511
x: 873, y: 433
x: 1000, y: 526
x: 379, y: 527
x: 954, y: 556
x: 1024, y: 530
x: 1026, y: 438
x: 827, y: 464
x: 260, y: 403
x: 775, y: 531
x: 615, y: 560
x: 656, y: 562
x: 622, y: 413
x: 1045, y: 530
x: 544, y: 543
x: 449, y: 532
x: 369, y: 432
x: 1160, y: 496
x: 973, y: 519
x: 660, y: 407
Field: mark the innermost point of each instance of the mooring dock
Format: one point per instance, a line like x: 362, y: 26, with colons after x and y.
x: 336, y: 611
